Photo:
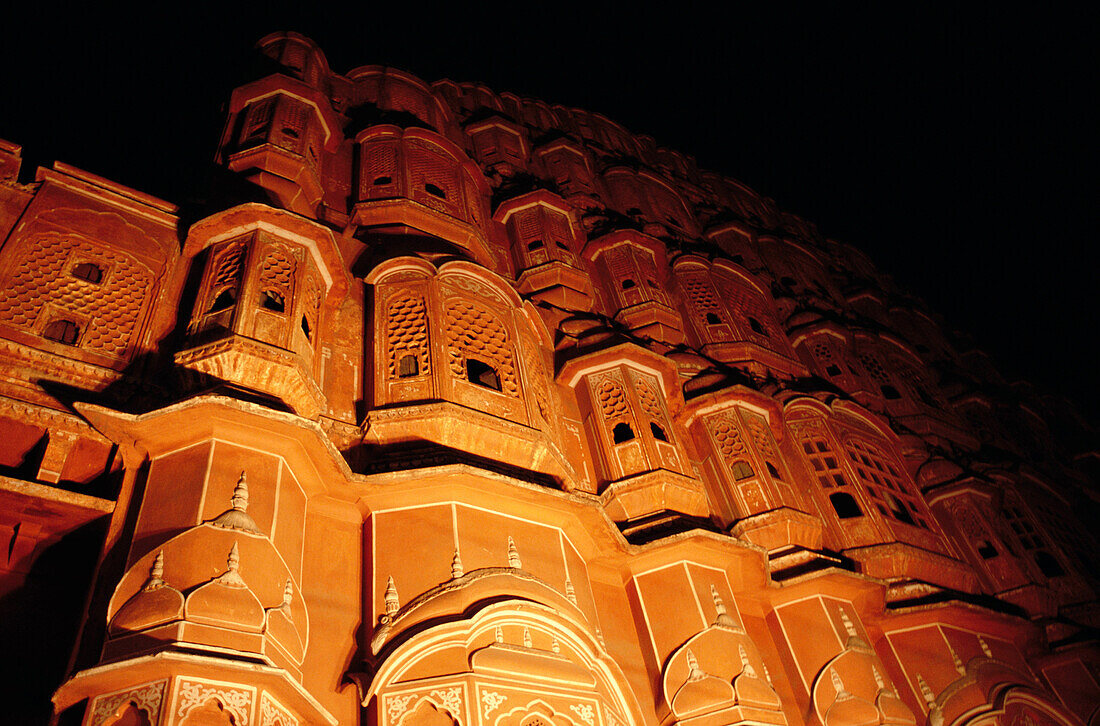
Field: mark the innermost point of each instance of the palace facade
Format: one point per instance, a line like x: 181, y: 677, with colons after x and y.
x: 458, y: 407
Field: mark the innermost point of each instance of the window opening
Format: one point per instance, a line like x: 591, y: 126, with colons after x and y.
x: 756, y: 326
x: 845, y: 505
x: 628, y: 283
x: 1048, y: 565
x: 88, y: 271
x: 652, y: 284
x: 622, y: 432
x: 772, y: 470
x: 658, y: 432
x: 306, y: 329
x: 889, y: 392
x: 382, y: 180
x: 536, y: 245
x: 272, y: 300
x: 290, y: 132
x: 788, y: 281
x: 741, y: 470
x: 225, y: 300
x: 713, y: 319
x: 986, y: 549
x: 435, y: 191
x: 826, y: 467
x: 63, y: 331
x: 832, y: 370
x: 482, y: 374
x: 408, y: 366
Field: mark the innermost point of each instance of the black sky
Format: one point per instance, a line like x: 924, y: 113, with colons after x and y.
x: 955, y: 146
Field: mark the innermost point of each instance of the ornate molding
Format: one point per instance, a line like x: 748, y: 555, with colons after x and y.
x: 270, y: 710
x: 193, y: 693
x: 147, y: 697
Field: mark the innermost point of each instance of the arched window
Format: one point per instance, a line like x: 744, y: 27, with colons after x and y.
x: 845, y: 505
x: 741, y: 470
x: 622, y: 432
x: 63, y: 331
x: 1048, y: 565
x: 408, y: 366
x: 273, y: 301
x: 435, y: 191
x: 658, y: 432
x: 88, y: 271
x: 482, y: 374
x: 224, y: 300
x: 756, y: 326
x: 713, y: 319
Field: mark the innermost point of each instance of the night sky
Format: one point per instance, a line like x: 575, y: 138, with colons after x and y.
x: 956, y: 147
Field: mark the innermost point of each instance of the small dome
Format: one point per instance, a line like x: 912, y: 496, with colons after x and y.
x: 154, y: 604
x: 702, y: 693
x: 848, y: 710
x: 226, y: 601
x: 754, y: 691
x: 893, y: 710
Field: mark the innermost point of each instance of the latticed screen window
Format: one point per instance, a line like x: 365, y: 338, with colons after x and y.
x: 1032, y: 541
x: 826, y: 467
x: 884, y: 484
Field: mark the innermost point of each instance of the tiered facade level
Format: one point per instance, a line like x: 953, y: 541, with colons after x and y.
x: 488, y: 412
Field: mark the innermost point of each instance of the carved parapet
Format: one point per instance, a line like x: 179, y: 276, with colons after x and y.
x: 257, y: 366
x: 462, y: 429
x: 170, y: 688
x: 559, y: 284
x: 899, y: 561
x: 652, y: 492
x: 779, y: 528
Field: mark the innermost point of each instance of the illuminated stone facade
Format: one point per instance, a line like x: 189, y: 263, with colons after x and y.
x: 488, y: 412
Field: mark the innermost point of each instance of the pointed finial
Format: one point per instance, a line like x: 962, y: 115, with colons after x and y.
x: 456, y: 566
x: 718, y: 604
x: 956, y: 661
x: 234, y: 560
x: 513, y: 555
x: 599, y: 637
x: 570, y: 592
x: 498, y: 634
x: 720, y: 607
x: 694, y: 672
x: 878, y: 678
x: 848, y: 626
x: 237, y: 516
x: 926, y: 691
x: 554, y: 646
x: 231, y: 577
x: 767, y: 674
x: 985, y: 647
x: 239, y: 500
x: 838, y: 685
x: 746, y: 667
x: 526, y: 638
x: 156, y: 573
x: 393, y: 604
x: 288, y: 596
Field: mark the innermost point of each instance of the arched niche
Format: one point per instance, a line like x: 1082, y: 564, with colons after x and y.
x: 509, y: 663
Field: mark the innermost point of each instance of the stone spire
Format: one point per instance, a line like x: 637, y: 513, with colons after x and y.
x: 392, y: 603
x: 156, y: 574
x: 231, y: 577
x: 513, y: 555
x: 237, y: 516
x: 722, y: 618
x: 456, y: 566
